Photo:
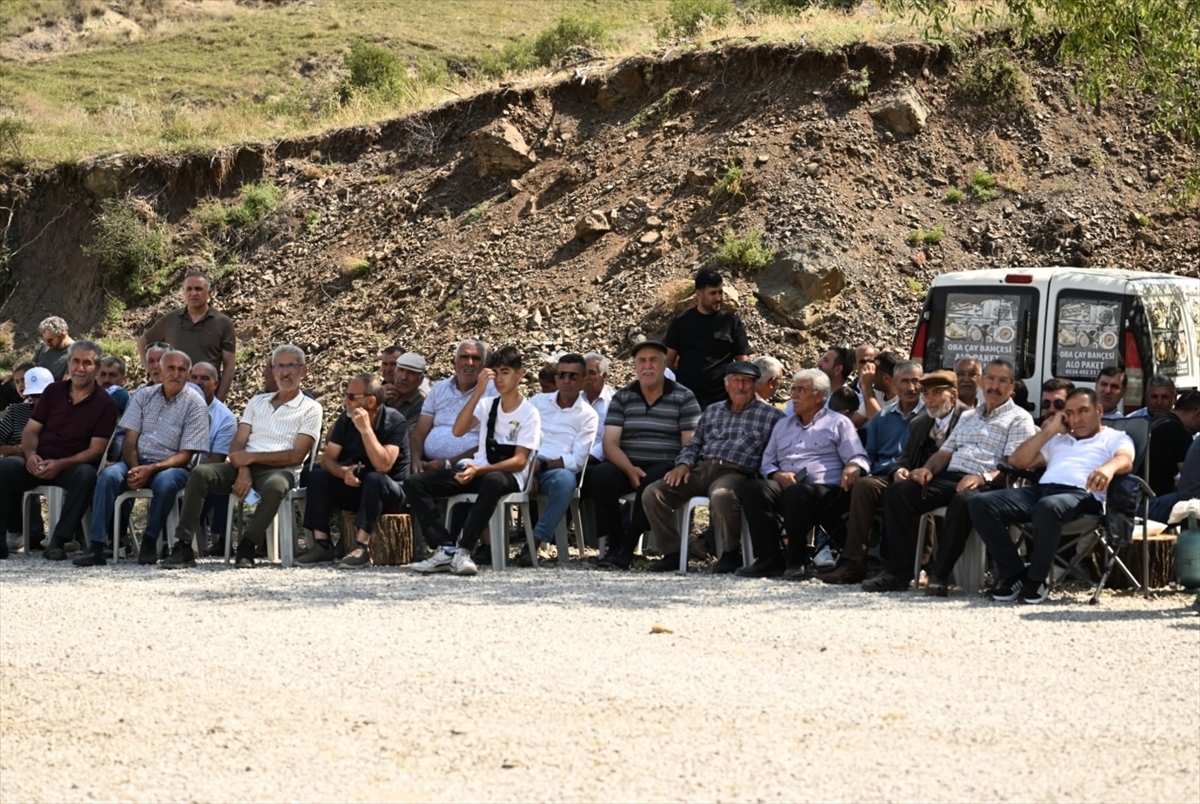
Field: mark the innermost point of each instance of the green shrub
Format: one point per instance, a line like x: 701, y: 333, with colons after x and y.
x: 994, y: 78
x: 731, y: 184
x: 744, y: 252
x: 474, y: 214
x: 690, y: 17
x: 117, y: 347
x: 135, y: 255
x: 569, y: 32
x: 919, y: 237
x: 256, y: 201
x: 356, y: 268
x: 954, y: 195
x: 374, y: 69
x: 514, y: 57
x: 983, y: 186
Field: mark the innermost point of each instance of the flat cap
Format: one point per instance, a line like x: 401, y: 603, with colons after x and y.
x: 939, y: 379
x: 744, y: 368
x: 411, y: 361
x: 648, y: 344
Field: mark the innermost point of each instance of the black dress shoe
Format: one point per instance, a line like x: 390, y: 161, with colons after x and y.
x: 668, y: 563
x: 887, y: 582
x: 218, y: 548
x: 148, y: 552
x: 762, y: 568
x: 729, y: 562
x: 619, y: 559
x: 94, y: 557
x: 245, y: 554
x: 55, y: 552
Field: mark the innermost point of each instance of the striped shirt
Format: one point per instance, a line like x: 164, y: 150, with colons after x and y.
x: 443, y: 405
x: 738, y: 436
x: 981, y: 440
x: 166, y: 426
x: 819, y: 450
x: 652, y: 433
x: 276, y: 429
x: 14, y: 421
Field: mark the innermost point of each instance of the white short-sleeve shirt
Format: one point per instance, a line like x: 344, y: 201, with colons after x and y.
x: 275, y: 429
x: 522, y: 427
x: 1069, y: 460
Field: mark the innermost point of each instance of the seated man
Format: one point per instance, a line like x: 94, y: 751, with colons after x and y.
x: 965, y: 465
x: 153, y: 360
x: 407, y: 397
x: 432, y: 440
x: 1110, y: 391
x: 770, y: 376
x: 569, y: 427
x: 887, y: 438
x: 509, y: 430
x: 112, y: 380
x: 51, y: 354
x: 810, y: 464
x: 1170, y: 437
x: 277, y: 433
x: 387, y: 369
x: 222, y: 426
x: 30, y: 382
x: 598, y: 393
x: 361, y: 469
x: 61, y: 445
x: 1160, y: 398
x: 841, y: 400
x: 164, y: 426
x: 649, y: 421
x: 1054, y: 395
x: 1081, y: 457
x: 724, y: 452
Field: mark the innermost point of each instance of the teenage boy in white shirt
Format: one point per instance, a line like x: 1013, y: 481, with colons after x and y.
x: 510, y: 430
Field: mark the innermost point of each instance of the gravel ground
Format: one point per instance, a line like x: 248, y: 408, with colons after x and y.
x: 314, y: 684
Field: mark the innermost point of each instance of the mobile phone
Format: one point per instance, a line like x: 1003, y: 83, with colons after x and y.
x: 253, y: 497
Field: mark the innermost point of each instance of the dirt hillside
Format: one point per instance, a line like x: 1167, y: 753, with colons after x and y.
x: 417, y: 232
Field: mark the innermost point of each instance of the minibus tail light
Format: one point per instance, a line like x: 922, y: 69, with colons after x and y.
x: 1018, y: 279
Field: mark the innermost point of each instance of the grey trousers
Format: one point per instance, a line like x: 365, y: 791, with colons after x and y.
x: 720, y: 484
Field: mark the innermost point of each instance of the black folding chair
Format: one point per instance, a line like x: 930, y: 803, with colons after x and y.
x: 1113, y: 529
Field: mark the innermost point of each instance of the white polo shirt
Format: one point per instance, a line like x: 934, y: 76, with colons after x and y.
x: 1069, y: 460
x: 567, y: 433
x: 275, y: 429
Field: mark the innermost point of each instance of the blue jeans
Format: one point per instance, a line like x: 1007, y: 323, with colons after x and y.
x: 557, y: 486
x: 1048, y: 507
x: 1160, y: 506
x: 111, y: 483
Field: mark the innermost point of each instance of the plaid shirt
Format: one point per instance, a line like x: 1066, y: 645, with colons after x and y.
x: 166, y: 427
x: 980, y: 441
x: 735, y: 436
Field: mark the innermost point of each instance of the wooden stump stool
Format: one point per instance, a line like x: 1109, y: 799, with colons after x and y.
x: 391, y: 543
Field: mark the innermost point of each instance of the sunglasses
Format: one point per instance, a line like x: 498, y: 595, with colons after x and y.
x: 568, y: 375
x: 1058, y: 404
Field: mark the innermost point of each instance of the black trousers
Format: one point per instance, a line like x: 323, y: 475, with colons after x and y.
x: 378, y: 494
x: 79, y: 481
x: 799, y: 508
x: 605, y: 484
x: 903, y: 505
x: 423, y: 490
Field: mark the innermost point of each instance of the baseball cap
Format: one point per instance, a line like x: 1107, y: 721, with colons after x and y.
x: 36, y: 380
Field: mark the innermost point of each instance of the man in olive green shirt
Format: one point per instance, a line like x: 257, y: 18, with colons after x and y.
x: 197, y: 330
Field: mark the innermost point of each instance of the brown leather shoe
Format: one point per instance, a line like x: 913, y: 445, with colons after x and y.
x: 887, y: 582
x: 844, y: 573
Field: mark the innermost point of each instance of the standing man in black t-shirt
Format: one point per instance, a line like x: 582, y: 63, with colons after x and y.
x: 702, y: 341
x: 361, y: 468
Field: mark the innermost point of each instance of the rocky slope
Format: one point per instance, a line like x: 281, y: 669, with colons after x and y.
x: 564, y: 216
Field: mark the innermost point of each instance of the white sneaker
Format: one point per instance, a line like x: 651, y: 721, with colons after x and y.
x: 461, y: 563
x: 440, y: 561
x: 824, y: 559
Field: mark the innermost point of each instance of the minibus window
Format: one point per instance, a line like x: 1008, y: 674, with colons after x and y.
x: 984, y: 325
x: 1087, y: 335
x: 1168, y: 334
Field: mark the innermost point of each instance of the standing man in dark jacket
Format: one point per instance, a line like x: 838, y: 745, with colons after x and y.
x: 702, y: 341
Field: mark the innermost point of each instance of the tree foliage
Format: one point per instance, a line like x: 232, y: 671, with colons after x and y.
x: 1133, y: 46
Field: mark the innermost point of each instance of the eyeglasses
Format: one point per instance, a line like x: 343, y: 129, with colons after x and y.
x: 801, y: 389
x: 286, y: 366
x: 568, y: 375
x: 355, y: 396
x: 1057, y: 404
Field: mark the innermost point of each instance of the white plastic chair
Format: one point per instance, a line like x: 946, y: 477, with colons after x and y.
x: 172, y: 519
x: 497, y: 523
x: 54, y: 501
x: 281, y: 536
x: 969, y: 570
x: 561, y: 539
x: 685, y: 521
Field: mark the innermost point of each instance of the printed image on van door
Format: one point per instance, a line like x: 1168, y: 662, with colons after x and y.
x: 983, y: 327
x: 1166, y: 329
x: 1087, y: 334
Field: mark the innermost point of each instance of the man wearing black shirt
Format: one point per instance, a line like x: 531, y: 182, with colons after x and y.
x: 360, y: 470
x: 702, y: 341
x: 1170, y: 437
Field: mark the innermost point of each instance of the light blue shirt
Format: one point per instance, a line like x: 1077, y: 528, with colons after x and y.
x: 222, y: 425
